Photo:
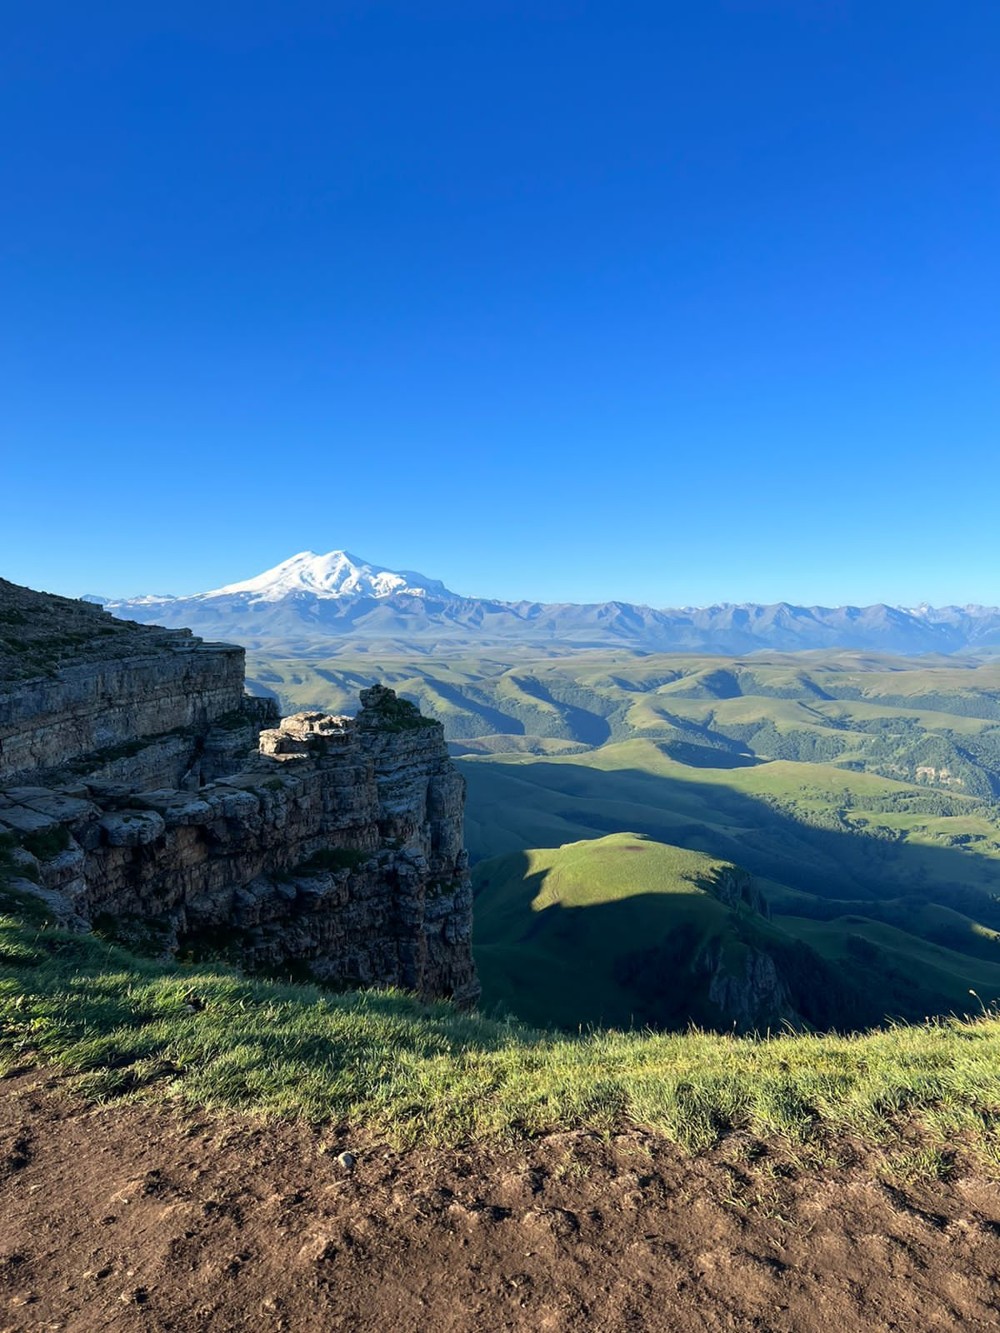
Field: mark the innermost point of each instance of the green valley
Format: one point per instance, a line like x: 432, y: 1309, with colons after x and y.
x: 858, y: 791
x: 935, y: 721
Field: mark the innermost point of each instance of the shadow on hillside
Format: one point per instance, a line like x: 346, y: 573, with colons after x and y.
x: 466, y: 705
x: 700, y: 756
x: 650, y: 960
x: 584, y: 726
x: 854, y: 869
x: 624, y: 964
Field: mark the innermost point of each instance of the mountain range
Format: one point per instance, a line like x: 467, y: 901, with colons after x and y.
x: 312, y: 597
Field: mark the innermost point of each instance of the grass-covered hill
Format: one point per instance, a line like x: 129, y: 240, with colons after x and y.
x: 893, y: 886
x: 629, y: 932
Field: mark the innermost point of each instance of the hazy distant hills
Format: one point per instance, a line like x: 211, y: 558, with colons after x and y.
x: 338, y: 596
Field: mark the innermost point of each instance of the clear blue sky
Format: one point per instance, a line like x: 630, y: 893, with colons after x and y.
x: 672, y: 302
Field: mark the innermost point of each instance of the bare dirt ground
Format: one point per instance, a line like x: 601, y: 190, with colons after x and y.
x: 156, y: 1217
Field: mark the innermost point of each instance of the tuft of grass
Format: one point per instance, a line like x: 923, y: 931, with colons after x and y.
x: 46, y: 843
x: 26, y: 906
x: 30, y: 909
x: 333, y: 858
x: 904, y: 1166
x: 427, y: 1073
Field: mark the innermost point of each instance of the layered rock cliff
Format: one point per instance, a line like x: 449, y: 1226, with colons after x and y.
x: 142, y: 790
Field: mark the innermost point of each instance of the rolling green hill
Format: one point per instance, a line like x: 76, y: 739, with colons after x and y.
x: 626, y: 932
x: 577, y: 934
x: 932, y: 721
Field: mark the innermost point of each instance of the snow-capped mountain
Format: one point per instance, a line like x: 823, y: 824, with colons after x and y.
x: 339, y: 595
x: 336, y: 574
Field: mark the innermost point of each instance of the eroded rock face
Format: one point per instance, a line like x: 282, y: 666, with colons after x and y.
x: 755, y: 995
x: 76, y: 682
x: 334, y: 845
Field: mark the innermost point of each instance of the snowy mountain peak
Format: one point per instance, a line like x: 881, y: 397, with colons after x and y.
x: 338, y: 574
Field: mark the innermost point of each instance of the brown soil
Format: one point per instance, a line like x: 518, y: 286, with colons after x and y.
x: 163, y: 1218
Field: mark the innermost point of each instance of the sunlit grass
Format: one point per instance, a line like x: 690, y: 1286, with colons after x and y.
x: 118, y: 1025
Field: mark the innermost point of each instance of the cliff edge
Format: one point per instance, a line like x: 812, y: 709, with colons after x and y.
x: 142, y: 790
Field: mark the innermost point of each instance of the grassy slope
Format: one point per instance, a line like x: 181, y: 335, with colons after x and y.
x: 545, y: 958
x: 929, y: 969
x: 121, y: 1025
x: 845, y: 859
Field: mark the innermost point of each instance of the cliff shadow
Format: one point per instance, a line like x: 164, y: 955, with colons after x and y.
x: 822, y: 858
x: 666, y: 960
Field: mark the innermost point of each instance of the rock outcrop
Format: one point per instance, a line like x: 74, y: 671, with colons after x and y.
x: 749, y: 990
x: 145, y: 792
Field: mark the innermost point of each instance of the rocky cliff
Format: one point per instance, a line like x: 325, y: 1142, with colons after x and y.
x: 142, y: 790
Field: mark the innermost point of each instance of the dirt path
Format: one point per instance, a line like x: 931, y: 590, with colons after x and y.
x: 157, y: 1218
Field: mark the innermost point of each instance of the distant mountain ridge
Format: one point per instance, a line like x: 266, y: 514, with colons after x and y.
x: 339, y: 595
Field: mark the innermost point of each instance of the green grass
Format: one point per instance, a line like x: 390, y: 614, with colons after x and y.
x: 543, y: 957
x: 814, y: 828
x: 333, y: 858
x: 46, y: 843
x: 625, y: 931
x: 605, y: 931
x: 118, y: 1025
x: 913, y: 973
x: 617, y: 867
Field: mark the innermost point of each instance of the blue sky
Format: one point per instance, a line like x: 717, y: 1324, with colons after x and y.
x: 677, y: 302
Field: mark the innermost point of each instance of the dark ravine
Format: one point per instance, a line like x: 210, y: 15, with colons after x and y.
x: 141, y: 790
